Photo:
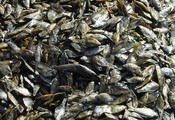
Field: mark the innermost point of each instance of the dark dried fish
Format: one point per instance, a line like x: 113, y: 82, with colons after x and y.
x: 81, y: 69
x: 87, y: 59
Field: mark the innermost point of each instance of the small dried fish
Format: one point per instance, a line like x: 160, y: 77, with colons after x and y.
x: 172, y: 100
x: 3, y: 95
x: 23, y: 91
x: 87, y: 59
x: 60, y: 110
x: 133, y: 68
x: 81, y: 69
x: 150, y: 87
x: 145, y: 112
x: 28, y: 103
x: 84, y: 114
x: 15, y: 102
x: 104, y: 98
x: 99, y: 110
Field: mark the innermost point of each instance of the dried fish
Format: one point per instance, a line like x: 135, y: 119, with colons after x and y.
x: 87, y: 59
x: 104, y: 98
x: 5, y: 70
x: 82, y: 70
x: 23, y: 91
x: 148, y: 33
x: 28, y: 103
x: 94, y: 50
x: 3, y: 95
x: 120, y: 99
x: 100, y: 18
x: 99, y: 110
x: 84, y: 114
x: 15, y: 102
x: 133, y: 68
x: 60, y: 110
x: 172, y: 100
x: 167, y: 72
x: 150, y: 87
x: 90, y: 98
x: 145, y: 112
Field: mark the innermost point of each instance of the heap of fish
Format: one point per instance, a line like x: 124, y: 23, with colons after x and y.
x: 87, y: 59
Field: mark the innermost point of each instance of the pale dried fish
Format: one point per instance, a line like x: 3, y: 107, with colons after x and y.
x: 60, y: 110
x: 145, y: 112
x: 15, y: 102
x: 150, y: 87
x: 3, y: 95
x: 99, y: 110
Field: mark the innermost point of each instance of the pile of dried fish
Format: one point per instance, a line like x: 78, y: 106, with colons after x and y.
x: 87, y: 59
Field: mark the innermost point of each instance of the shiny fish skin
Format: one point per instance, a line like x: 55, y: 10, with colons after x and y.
x: 94, y: 51
x: 3, y: 95
x: 145, y: 112
x: 150, y: 87
x: 99, y: 110
x: 81, y: 69
x: 133, y: 68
